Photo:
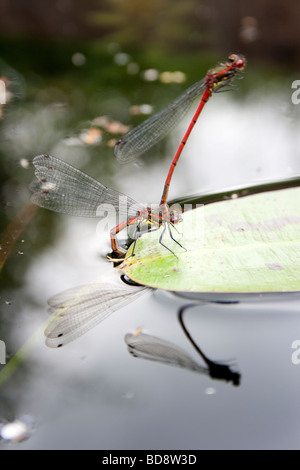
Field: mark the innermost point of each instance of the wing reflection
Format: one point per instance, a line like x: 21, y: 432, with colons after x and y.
x: 77, y: 310
x: 149, y: 347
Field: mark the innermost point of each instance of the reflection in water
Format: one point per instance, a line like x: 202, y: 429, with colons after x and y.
x: 216, y: 370
x: 43, y: 123
x: 77, y: 310
x: 156, y: 349
x: 14, y: 230
x: 17, y: 430
x: 12, y: 86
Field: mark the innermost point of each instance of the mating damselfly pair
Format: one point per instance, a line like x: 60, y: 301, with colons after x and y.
x: 62, y: 188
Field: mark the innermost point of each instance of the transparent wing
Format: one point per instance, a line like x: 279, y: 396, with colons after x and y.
x: 77, y: 310
x: 156, y: 349
x: 62, y: 188
x: 154, y: 129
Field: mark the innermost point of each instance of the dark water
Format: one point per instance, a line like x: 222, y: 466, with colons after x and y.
x: 93, y: 393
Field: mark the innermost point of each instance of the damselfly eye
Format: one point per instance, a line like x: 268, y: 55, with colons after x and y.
x: 232, y: 58
x: 238, y: 60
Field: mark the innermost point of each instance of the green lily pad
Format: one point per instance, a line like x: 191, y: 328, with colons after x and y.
x: 248, y: 244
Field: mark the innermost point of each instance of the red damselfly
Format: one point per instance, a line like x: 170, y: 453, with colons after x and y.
x: 215, y: 79
x: 152, y: 130
x: 62, y: 188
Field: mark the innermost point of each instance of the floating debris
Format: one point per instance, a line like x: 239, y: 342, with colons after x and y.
x: 17, y: 430
x: 133, y: 68
x: 121, y: 58
x: 24, y: 163
x: 141, y: 109
x: 91, y: 136
x: 172, y: 77
x: 150, y: 75
x: 210, y: 391
x: 78, y: 59
x: 113, y: 127
x: 111, y: 143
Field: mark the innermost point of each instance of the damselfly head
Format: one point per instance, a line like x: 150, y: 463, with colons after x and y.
x: 217, y: 79
x: 237, y: 61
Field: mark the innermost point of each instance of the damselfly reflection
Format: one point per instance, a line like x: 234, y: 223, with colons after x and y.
x: 156, y: 349
x: 77, y: 310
